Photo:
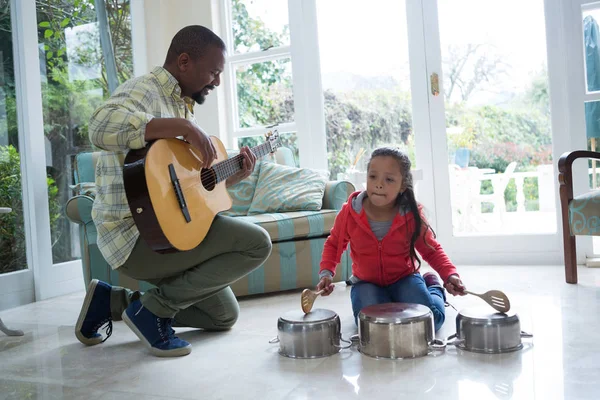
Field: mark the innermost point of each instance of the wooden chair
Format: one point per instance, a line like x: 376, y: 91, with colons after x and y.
x: 580, y: 215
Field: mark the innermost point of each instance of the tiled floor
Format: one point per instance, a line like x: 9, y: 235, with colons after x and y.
x: 561, y: 362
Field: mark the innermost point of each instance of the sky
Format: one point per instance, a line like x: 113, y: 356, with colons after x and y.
x: 370, y: 38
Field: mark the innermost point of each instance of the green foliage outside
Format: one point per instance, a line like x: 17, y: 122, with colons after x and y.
x: 496, y: 135
x: 12, y: 233
x: 68, y: 102
x: 518, y: 130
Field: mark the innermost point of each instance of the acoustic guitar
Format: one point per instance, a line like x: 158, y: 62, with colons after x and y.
x: 172, y: 197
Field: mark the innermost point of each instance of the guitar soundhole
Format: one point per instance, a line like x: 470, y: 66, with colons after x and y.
x: 208, y: 178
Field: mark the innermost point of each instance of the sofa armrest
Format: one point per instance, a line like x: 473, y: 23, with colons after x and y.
x: 336, y: 194
x: 79, y: 209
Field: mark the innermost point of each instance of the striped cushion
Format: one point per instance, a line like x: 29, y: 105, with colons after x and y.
x: 281, y: 188
x: 295, y: 224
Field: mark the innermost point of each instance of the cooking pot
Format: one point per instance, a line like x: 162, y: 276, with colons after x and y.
x: 482, y: 330
x: 313, y: 335
x: 396, y: 330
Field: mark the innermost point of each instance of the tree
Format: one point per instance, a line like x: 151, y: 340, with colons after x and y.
x: 68, y: 98
x: 259, y: 85
x: 468, y: 68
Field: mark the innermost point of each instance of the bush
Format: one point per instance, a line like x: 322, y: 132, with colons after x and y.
x: 12, y: 226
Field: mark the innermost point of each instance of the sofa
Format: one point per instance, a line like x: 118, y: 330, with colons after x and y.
x: 297, y: 236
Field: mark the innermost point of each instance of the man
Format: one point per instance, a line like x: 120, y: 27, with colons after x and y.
x: 193, y: 286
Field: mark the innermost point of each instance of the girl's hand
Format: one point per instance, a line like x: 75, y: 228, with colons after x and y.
x: 454, y: 286
x: 325, y: 283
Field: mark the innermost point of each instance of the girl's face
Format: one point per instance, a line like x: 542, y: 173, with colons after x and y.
x: 384, y: 181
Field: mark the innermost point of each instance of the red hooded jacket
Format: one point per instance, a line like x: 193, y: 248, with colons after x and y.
x: 381, y: 262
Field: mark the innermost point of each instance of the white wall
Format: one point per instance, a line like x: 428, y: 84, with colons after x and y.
x: 155, y: 22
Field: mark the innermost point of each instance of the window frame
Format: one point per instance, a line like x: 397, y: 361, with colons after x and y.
x: 303, y: 50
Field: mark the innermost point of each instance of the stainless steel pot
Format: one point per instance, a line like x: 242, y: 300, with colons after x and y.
x: 397, y: 330
x: 313, y: 335
x: 482, y: 330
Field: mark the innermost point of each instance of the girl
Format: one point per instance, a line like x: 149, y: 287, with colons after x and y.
x: 384, y: 226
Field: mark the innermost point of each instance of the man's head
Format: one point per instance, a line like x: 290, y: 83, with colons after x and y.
x: 196, y: 59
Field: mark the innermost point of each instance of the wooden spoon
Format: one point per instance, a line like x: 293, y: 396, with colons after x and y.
x: 494, y: 298
x: 308, y: 298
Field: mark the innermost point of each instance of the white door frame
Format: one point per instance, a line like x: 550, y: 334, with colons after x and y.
x: 41, y: 280
x: 484, y: 249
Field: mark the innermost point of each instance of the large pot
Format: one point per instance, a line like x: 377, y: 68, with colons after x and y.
x: 482, y: 330
x: 313, y: 335
x: 397, y: 330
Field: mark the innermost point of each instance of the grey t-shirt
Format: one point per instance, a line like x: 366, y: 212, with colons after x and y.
x: 379, y: 228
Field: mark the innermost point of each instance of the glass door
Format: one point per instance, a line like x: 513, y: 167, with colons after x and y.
x: 495, y: 187
x: 16, y: 279
x: 374, y: 86
x: 588, y: 15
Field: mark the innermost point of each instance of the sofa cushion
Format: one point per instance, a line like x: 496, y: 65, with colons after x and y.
x: 584, y: 214
x: 242, y: 192
x: 295, y: 224
x: 281, y: 188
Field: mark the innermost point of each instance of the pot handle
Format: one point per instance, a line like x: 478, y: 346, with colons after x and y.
x: 345, y: 341
x: 454, y: 342
x: 274, y: 340
x: 526, y: 335
x: 437, y: 345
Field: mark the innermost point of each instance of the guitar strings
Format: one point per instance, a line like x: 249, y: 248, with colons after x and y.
x: 231, y: 164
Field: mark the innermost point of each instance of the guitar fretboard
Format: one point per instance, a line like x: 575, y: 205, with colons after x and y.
x: 232, y: 165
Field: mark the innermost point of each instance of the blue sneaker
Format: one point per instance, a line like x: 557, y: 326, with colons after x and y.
x: 95, y: 313
x: 155, y: 332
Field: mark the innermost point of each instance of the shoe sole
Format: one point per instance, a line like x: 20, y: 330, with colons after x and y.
x: 84, y: 309
x: 182, y: 351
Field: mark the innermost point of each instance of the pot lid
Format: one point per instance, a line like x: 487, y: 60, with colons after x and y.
x: 316, y: 315
x: 395, y: 313
x: 487, y: 314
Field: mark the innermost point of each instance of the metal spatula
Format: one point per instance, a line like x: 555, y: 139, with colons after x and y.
x: 308, y: 298
x: 494, y: 298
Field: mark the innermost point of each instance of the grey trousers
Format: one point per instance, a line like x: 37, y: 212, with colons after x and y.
x: 193, y: 286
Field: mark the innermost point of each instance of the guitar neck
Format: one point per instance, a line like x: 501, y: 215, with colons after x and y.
x: 233, y: 165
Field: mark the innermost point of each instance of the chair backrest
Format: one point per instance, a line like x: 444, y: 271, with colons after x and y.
x: 506, y: 176
x: 85, y: 167
x: 285, y: 156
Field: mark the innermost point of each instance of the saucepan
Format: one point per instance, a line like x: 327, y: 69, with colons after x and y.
x: 482, y: 330
x: 312, y: 335
x: 396, y: 331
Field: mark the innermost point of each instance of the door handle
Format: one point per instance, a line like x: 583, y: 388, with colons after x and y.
x: 435, y: 84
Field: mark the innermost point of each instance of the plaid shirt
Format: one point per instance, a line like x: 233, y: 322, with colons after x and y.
x: 115, y: 127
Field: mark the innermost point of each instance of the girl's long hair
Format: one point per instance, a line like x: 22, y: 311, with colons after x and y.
x: 406, y: 197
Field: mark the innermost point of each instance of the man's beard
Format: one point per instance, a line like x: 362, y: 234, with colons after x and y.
x: 199, y: 97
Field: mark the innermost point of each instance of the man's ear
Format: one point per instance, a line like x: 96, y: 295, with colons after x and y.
x: 183, y: 62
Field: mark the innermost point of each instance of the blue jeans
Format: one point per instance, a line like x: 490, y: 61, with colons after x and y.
x: 411, y: 289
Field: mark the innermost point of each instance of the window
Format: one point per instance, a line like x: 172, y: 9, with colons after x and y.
x: 12, y: 229
x: 74, y: 83
x: 259, y: 72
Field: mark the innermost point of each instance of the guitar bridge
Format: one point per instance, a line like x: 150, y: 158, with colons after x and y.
x: 179, y: 193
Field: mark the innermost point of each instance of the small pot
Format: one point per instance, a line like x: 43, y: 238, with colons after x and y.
x: 396, y: 331
x: 482, y: 330
x: 313, y: 335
